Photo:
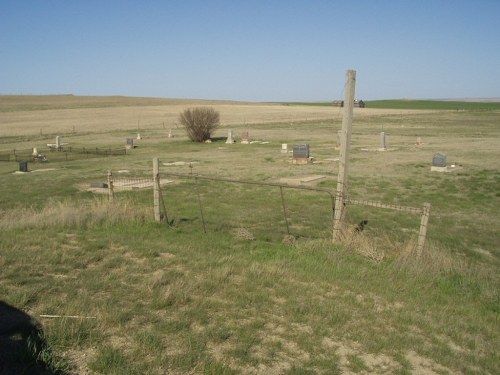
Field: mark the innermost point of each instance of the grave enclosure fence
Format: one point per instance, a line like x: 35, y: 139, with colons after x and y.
x: 262, y: 210
x: 62, y: 154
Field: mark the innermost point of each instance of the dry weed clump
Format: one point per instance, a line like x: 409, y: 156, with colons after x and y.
x: 243, y: 234
x: 433, y: 260
x: 71, y: 213
x: 358, y: 242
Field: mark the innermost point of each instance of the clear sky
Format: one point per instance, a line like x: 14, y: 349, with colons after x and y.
x: 258, y: 50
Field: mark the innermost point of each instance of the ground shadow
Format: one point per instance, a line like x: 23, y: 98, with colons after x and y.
x: 23, y: 349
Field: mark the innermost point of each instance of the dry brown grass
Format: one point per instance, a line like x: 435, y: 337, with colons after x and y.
x: 72, y: 213
x: 68, y: 114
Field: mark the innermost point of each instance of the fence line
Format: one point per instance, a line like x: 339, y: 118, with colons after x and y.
x: 64, y: 153
x: 129, y: 183
x: 394, y: 207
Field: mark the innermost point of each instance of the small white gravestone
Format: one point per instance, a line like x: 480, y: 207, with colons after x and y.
x: 34, y: 152
x: 383, y: 142
x: 139, y: 136
x: 58, y: 143
x: 284, y: 148
x: 170, y: 133
x: 229, y: 137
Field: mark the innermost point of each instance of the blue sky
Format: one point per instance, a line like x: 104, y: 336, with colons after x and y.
x: 296, y: 50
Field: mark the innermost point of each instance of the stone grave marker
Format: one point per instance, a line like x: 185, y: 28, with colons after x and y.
x: 284, y: 148
x: 58, y: 143
x: 130, y: 143
x: 23, y: 166
x: 383, y: 141
x: 230, y: 137
x: 439, y: 160
x: 301, y: 154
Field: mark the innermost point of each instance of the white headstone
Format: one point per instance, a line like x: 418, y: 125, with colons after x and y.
x: 34, y: 152
x: 139, y: 136
x: 229, y: 136
x: 383, y: 144
x: 284, y: 148
x: 58, y: 142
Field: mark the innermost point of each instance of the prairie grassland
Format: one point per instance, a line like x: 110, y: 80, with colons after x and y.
x: 28, y: 116
x: 247, y: 296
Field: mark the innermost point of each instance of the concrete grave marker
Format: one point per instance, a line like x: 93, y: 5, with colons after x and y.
x: 284, y: 148
x: 383, y: 142
x: 229, y: 137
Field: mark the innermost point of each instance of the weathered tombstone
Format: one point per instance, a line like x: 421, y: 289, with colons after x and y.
x: 284, y: 148
x: 439, y: 160
x: 58, y: 143
x: 23, y: 166
x: 383, y: 141
x: 34, y: 152
x: 301, y: 151
x: 130, y: 143
x: 229, y: 137
x: 244, y: 138
x: 301, y: 154
x: 139, y: 136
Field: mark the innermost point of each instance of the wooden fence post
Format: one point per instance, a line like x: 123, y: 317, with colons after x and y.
x: 111, y: 192
x: 156, y: 190
x: 423, y: 228
x: 340, y: 198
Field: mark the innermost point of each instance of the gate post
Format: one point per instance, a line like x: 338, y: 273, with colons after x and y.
x: 423, y: 228
x: 345, y: 139
x: 156, y: 190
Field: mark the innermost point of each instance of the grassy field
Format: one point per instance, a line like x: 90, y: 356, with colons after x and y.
x: 242, y: 294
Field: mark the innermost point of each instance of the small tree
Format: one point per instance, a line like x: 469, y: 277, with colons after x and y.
x: 199, y: 122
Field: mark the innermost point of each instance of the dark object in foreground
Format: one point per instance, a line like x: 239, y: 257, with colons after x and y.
x: 360, y: 226
x: 23, y: 349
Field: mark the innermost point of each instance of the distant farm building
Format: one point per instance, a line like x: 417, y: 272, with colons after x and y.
x: 357, y: 103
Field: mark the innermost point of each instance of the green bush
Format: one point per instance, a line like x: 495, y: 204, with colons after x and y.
x: 200, y: 122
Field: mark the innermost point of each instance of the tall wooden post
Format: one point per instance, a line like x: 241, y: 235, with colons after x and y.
x: 111, y: 192
x: 422, y: 234
x: 156, y: 190
x: 345, y: 146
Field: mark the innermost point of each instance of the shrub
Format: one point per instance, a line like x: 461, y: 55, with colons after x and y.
x: 199, y: 122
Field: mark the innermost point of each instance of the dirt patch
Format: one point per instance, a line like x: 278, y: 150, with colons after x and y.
x: 302, y: 180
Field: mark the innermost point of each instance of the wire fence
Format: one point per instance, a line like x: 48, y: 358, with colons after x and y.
x: 60, y: 154
x: 249, y: 209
